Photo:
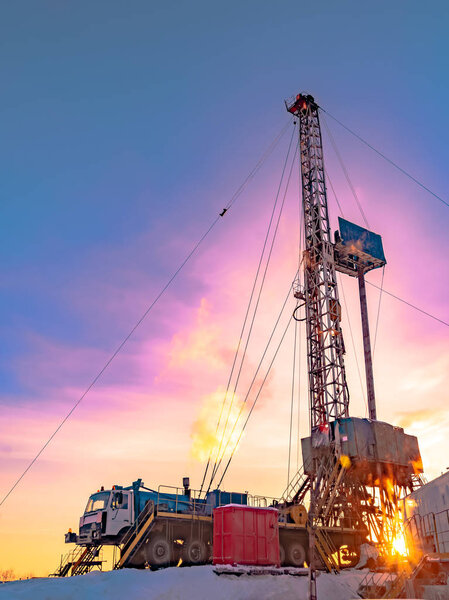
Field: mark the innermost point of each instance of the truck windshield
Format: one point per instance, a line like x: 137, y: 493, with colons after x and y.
x: 97, y: 502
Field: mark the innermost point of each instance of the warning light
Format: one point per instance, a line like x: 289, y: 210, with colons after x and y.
x: 345, y: 461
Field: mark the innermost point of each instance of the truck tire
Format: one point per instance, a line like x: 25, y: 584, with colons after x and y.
x: 158, y: 552
x: 281, y: 555
x: 295, y: 554
x: 194, y: 552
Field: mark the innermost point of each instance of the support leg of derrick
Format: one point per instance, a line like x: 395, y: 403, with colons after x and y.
x: 367, y: 347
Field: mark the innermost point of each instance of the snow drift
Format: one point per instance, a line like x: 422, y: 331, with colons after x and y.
x: 200, y: 583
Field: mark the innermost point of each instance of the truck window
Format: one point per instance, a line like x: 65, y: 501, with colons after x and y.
x: 119, y: 500
x: 97, y: 502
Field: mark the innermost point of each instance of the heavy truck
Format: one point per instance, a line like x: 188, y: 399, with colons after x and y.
x: 152, y: 527
x: 170, y: 526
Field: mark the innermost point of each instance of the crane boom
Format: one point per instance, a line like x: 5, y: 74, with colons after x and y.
x: 328, y: 390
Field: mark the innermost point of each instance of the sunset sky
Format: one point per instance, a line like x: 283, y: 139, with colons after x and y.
x: 126, y: 128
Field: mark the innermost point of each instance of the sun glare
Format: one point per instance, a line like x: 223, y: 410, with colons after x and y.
x: 399, y: 545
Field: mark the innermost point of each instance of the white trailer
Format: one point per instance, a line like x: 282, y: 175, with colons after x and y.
x: 426, y: 516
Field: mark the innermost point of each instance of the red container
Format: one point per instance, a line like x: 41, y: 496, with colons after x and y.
x: 245, y: 535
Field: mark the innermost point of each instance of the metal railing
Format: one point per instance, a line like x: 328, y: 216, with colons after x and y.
x: 173, y: 498
x: 80, y: 560
x: 429, y: 532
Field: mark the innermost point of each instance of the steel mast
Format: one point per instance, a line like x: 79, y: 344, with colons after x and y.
x: 328, y: 390
x: 354, y: 469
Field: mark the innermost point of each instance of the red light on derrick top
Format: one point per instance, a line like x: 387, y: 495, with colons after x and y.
x: 299, y: 103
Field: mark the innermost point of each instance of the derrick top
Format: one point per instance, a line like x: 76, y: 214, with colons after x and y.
x: 300, y: 103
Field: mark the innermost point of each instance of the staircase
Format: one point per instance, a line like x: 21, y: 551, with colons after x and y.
x: 329, y: 491
x: 392, y: 584
x: 79, y: 561
x: 397, y: 588
x: 326, y: 550
x: 136, y: 536
x: 376, y: 585
x: 332, y: 476
x: 418, y: 480
x: 297, y: 488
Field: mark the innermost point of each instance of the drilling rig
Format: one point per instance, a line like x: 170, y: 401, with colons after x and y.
x: 354, y: 470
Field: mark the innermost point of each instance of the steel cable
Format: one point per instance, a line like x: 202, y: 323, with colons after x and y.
x: 238, y: 192
x: 281, y: 312
x: 410, y: 304
x: 255, y: 402
x: 248, y: 310
x: 382, y: 155
x: 292, y: 399
x: 378, y: 310
x: 346, y: 174
x: 353, y: 344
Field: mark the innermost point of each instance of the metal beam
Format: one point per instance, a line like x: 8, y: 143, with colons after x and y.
x: 367, y: 347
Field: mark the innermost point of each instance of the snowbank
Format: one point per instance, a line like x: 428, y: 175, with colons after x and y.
x: 200, y: 583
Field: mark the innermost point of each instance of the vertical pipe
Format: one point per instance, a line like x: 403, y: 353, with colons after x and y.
x: 312, y: 594
x: 367, y: 347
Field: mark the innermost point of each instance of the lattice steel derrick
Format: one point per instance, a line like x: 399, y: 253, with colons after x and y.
x: 328, y: 392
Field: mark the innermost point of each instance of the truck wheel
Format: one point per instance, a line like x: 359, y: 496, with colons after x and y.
x: 194, y: 552
x: 158, y: 552
x: 295, y: 554
x: 281, y: 555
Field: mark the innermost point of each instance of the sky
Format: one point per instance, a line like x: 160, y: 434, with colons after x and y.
x: 126, y: 129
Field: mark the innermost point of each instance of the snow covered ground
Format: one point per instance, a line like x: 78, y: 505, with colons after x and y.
x: 200, y: 583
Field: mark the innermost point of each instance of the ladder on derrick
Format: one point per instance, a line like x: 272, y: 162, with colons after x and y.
x: 80, y: 561
x: 296, y: 491
x: 136, y: 536
x: 326, y: 550
x: 329, y: 491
